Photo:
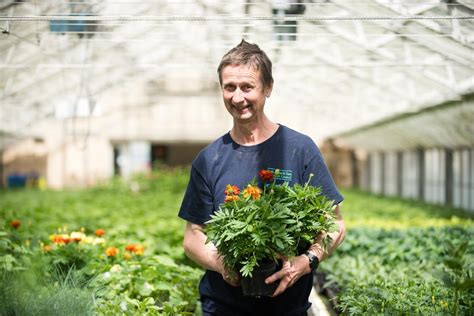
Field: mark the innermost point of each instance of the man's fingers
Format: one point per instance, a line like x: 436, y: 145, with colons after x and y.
x: 232, y: 280
x: 275, y: 276
x: 284, y: 284
x: 231, y: 277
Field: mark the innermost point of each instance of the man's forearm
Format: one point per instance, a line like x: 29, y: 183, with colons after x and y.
x: 336, y: 239
x: 196, y: 249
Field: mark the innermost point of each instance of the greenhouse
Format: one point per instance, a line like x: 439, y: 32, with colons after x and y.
x: 106, y: 107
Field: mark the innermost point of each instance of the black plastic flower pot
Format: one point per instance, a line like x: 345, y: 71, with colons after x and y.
x: 255, y: 286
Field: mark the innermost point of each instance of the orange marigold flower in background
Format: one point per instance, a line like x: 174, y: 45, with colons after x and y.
x: 60, y: 239
x: 253, y: 191
x: 100, y: 232
x: 130, y: 247
x: 231, y: 198
x: 266, y: 175
x: 139, y: 250
x: 232, y: 190
x: 47, y: 248
x: 15, y: 223
x: 111, y: 251
x: 135, y: 248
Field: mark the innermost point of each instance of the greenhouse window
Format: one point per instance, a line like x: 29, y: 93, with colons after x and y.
x: 81, y: 27
x: 286, y: 30
x: 78, y: 26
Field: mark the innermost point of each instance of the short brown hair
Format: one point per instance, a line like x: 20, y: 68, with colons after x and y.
x: 250, y: 55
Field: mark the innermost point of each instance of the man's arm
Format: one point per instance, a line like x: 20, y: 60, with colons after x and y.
x: 296, y: 267
x: 205, y: 255
x: 337, y: 237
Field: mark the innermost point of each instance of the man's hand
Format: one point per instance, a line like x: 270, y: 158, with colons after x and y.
x: 206, y: 254
x: 293, y: 269
x: 231, y: 277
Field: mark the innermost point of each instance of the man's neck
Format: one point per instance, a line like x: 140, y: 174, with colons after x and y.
x: 253, y: 133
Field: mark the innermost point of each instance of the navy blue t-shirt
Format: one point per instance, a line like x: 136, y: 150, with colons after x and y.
x: 225, y: 162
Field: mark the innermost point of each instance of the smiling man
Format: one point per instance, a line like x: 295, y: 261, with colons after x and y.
x: 254, y: 143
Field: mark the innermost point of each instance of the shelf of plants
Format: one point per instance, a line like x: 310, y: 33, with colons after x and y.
x: 117, y: 249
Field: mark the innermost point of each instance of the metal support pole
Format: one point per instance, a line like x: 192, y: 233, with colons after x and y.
x: 420, y: 153
x: 399, y: 173
x: 383, y: 159
x: 449, y: 183
x: 355, y: 170
x: 368, y: 186
x: 2, y: 183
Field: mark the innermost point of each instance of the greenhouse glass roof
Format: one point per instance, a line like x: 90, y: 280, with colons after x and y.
x: 338, y: 65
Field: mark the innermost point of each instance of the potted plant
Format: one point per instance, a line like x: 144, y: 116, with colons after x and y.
x: 255, y: 227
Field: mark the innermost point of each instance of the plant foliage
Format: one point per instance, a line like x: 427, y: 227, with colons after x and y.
x: 253, y: 226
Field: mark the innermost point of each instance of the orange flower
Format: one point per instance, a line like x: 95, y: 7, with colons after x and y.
x: 231, y: 198
x: 253, y: 191
x: 266, y: 175
x: 111, y: 251
x: 232, y: 190
x: 100, y: 232
x: 15, y: 223
x: 47, y: 248
x: 60, y: 239
x: 139, y: 250
x: 135, y: 248
x: 130, y: 247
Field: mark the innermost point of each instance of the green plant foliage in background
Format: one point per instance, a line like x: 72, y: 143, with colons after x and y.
x: 79, y: 278
x: 399, y: 256
x: 363, y: 209
x: 403, y: 257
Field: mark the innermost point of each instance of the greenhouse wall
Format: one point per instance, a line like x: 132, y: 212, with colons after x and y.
x: 434, y: 175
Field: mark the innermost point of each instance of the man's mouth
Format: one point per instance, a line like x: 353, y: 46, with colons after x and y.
x: 241, y: 108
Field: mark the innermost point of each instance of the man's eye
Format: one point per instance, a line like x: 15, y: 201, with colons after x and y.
x: 229, y: 88
x: 246, y: 88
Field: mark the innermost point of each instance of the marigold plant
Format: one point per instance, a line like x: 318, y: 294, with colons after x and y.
x: 16, y: 223
x: 258, y: 225
x: 100, y: 232
x: 135, y: 248
x: 111, y: 251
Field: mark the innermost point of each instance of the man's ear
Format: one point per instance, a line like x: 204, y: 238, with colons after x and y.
x: 268, y: 90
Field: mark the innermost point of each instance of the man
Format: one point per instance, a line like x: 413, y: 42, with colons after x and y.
x: 253, y: 143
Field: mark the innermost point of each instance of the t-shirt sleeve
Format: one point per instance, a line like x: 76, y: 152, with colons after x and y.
x: 321, y: 177
x: 197, y: 205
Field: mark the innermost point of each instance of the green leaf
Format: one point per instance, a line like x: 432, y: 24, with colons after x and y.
x: 453, y: 263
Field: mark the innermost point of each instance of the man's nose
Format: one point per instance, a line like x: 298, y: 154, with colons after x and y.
x: 238, y: 96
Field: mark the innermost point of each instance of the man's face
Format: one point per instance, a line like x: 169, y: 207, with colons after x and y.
x: 243, y: 92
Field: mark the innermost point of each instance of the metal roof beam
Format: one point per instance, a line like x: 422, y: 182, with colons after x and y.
x: 457, y: 36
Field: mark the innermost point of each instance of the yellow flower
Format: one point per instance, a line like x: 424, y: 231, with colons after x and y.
x: 77, y: 236
x: 253, y: 191
x: 97, y: 241
x: 116, y: 268
x: 87, y: 240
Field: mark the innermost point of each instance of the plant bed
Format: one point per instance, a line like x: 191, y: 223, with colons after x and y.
x: 421, y: 271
